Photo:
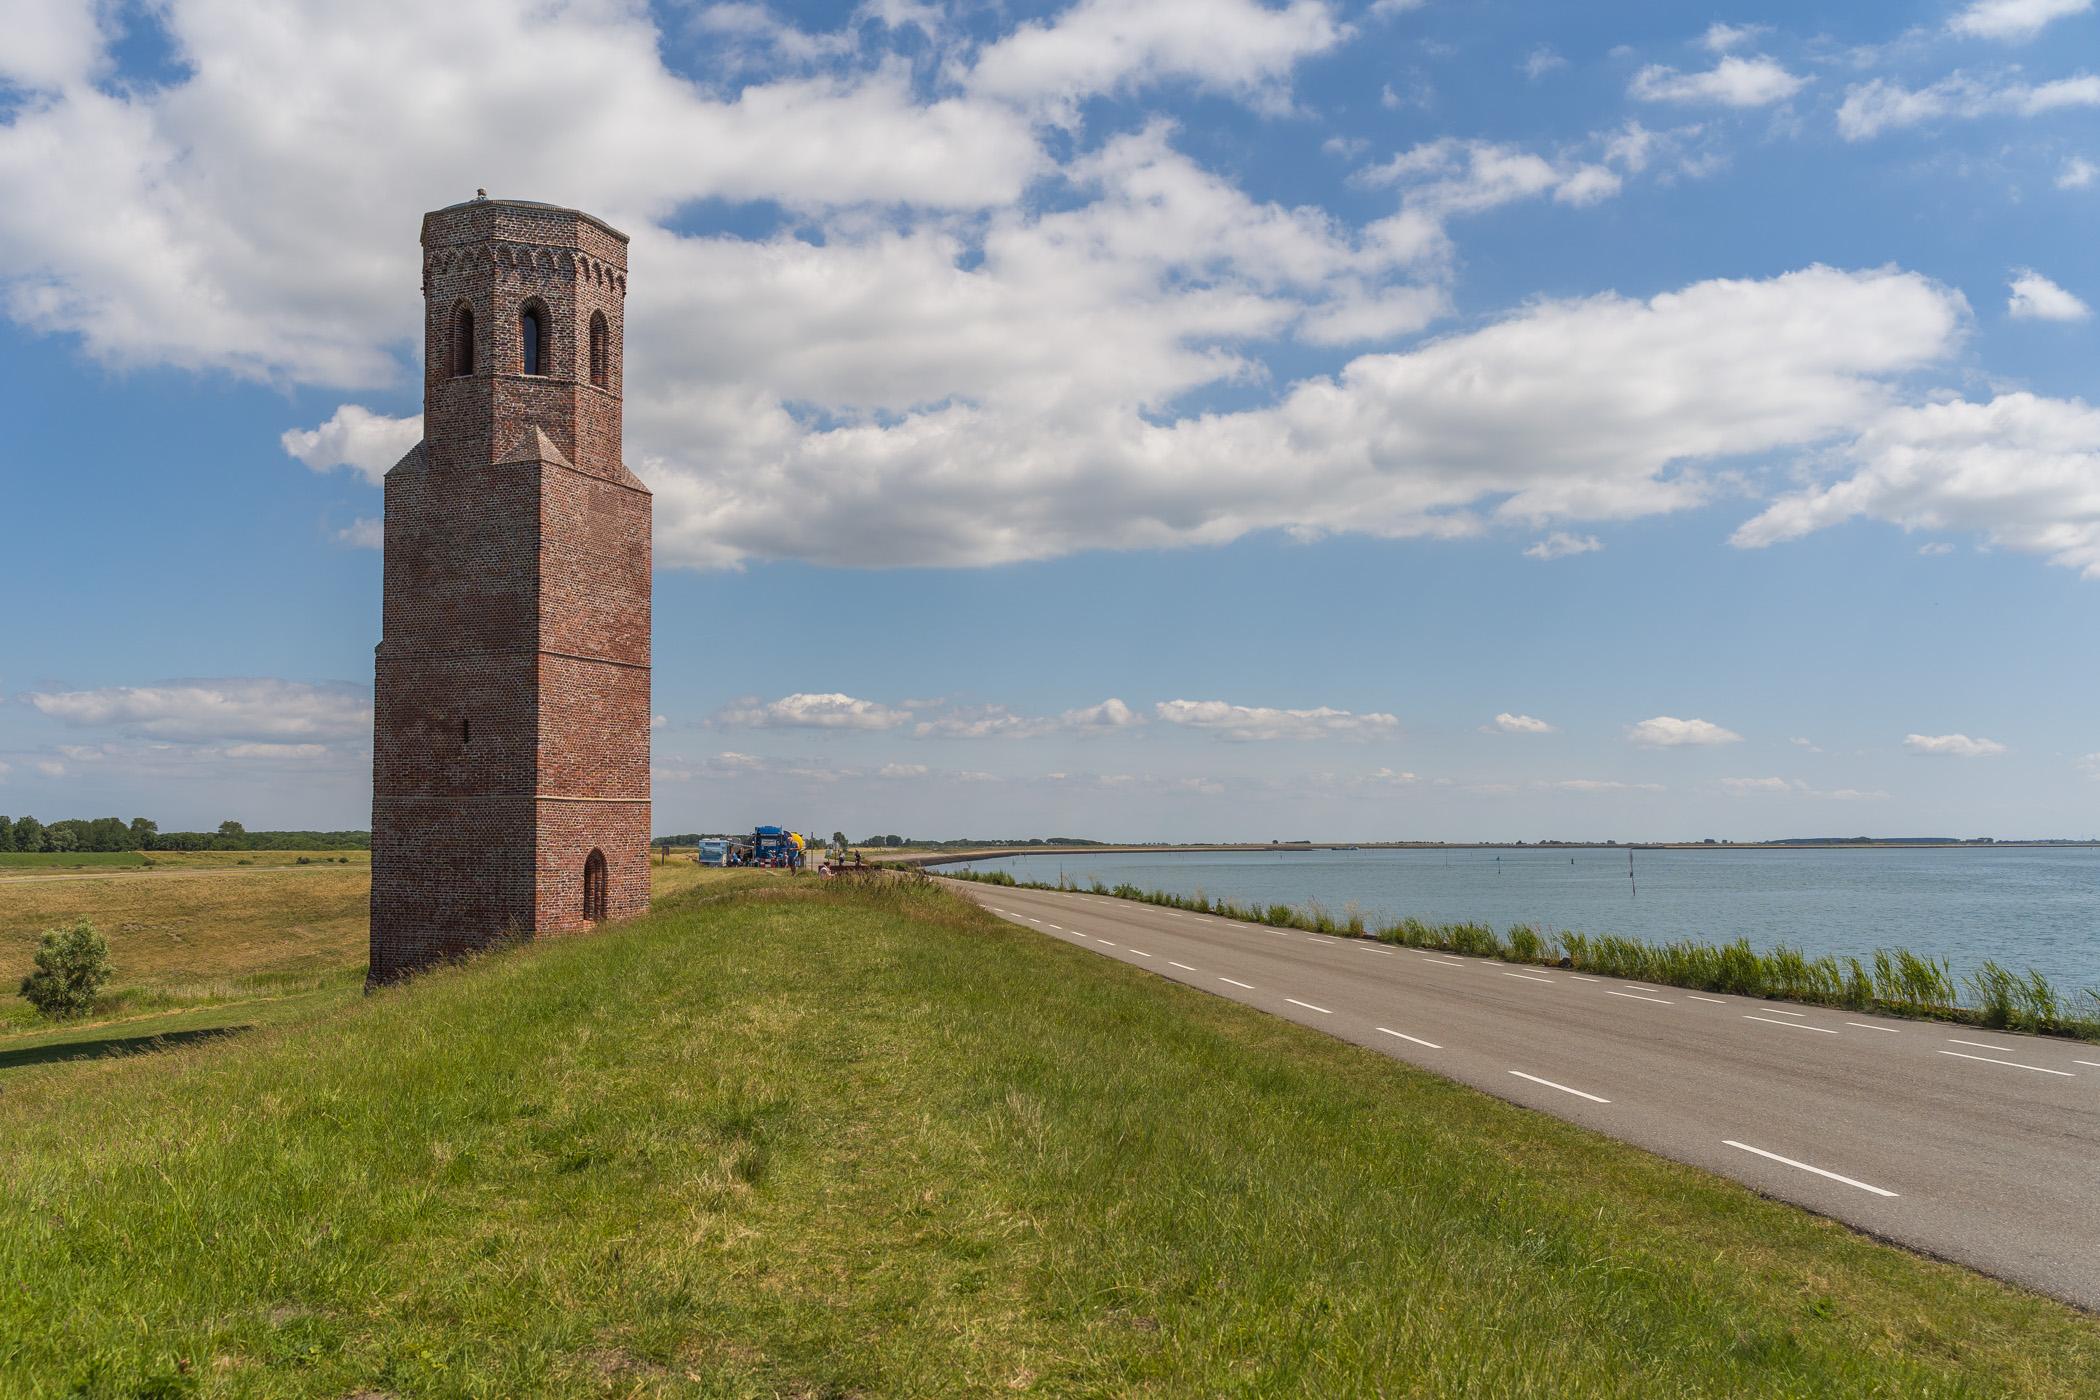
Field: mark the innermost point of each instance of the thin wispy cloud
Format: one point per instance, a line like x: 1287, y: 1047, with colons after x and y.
x: 1254, y: 723
x: 1952, y: 746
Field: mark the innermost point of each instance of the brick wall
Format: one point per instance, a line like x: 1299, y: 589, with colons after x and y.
x: 511, y: 724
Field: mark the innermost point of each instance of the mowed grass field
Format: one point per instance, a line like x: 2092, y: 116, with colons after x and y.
x: 201, y: 935
x: 806, y: 1139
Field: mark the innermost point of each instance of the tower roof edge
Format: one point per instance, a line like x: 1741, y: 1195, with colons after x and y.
x: 541, y: 205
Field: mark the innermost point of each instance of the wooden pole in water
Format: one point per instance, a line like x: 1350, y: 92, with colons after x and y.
x: 1631, y: 883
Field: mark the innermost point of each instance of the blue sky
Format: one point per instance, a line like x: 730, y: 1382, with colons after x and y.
x: 1198, y: 418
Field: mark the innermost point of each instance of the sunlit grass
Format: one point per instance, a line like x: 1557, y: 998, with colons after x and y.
x: 862, y: 1139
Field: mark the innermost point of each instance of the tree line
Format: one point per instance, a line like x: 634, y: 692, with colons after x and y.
x: 28, y: 835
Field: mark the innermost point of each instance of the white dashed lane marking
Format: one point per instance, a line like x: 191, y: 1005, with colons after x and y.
x: 1636, y: 996
x: 1746, y: 1147
x: 1403, y: 1035
x: 1562, y: 1087
x: 2009, y: 1064
x: 1528, y: 977
x: 1820, y: 1030
x: 1309, y: 1006
x: 1865, y: 1027
x: 1183, y: 966
x: 1715, y: 1000
x: 1248, y: 986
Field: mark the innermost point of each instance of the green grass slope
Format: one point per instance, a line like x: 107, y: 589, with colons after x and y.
x: 828, y: 1142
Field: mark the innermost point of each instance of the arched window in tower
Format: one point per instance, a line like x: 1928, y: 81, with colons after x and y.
x: 601, y: 350
x: 462, y: 341
x: 529, y: 334
x: 594, y: 887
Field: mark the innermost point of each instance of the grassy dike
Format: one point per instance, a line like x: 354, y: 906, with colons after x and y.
x: 827, y: 1141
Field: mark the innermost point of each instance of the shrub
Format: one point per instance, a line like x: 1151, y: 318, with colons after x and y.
x: 72, y: 965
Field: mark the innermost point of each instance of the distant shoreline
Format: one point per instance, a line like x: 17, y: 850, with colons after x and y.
x: 923, y: 859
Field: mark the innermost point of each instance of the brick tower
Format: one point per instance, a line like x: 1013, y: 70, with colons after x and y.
x: 510, y: 746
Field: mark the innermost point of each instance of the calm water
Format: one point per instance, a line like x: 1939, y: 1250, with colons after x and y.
x: 2026, y: 908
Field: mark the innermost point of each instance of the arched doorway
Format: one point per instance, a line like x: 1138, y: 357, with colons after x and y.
x: 594, y: 887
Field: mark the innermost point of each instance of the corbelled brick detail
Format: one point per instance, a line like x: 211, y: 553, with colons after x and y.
x: 511, y: 724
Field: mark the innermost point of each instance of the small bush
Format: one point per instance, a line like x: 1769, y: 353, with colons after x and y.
x: 72, y: 966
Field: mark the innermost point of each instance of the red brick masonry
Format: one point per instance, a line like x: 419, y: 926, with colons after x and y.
x: 511, y: 729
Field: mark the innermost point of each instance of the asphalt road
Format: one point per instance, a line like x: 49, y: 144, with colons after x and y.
x: 1970, y: 1145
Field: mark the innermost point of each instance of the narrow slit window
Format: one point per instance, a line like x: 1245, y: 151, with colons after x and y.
x: 463, y: 342
x: 529, y: 338
x: 601, y: 350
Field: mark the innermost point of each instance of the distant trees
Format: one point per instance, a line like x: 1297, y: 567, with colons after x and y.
x: 27, y: 834
x: 71, y: 968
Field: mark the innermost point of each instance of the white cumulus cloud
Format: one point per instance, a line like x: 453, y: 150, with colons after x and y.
x: 1560, y: 544
x: 1247, y: 723
x: 1448, y: 177
x: 53, y: 44
x: 1604, y: 408
x: 2021, y: 470
x: 1000, y: 722
x: 221, y: 219
x: 1721, y: 38
x: 2035, y: 298
x: 2078, y: 173
x: 1883, y: 104
x: 803, y: 710
x: 1507, y: 723
x: 1669, y: 732
x: 254, y: 708
x: 365, y: 532
x: 2013, y: 19
x: 1733, y: 82
x: 1238, y: 47
x: 1952, y: 746
x: 367, y: 443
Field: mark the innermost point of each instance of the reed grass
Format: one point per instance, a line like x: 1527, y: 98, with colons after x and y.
x: 1896, y: 982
